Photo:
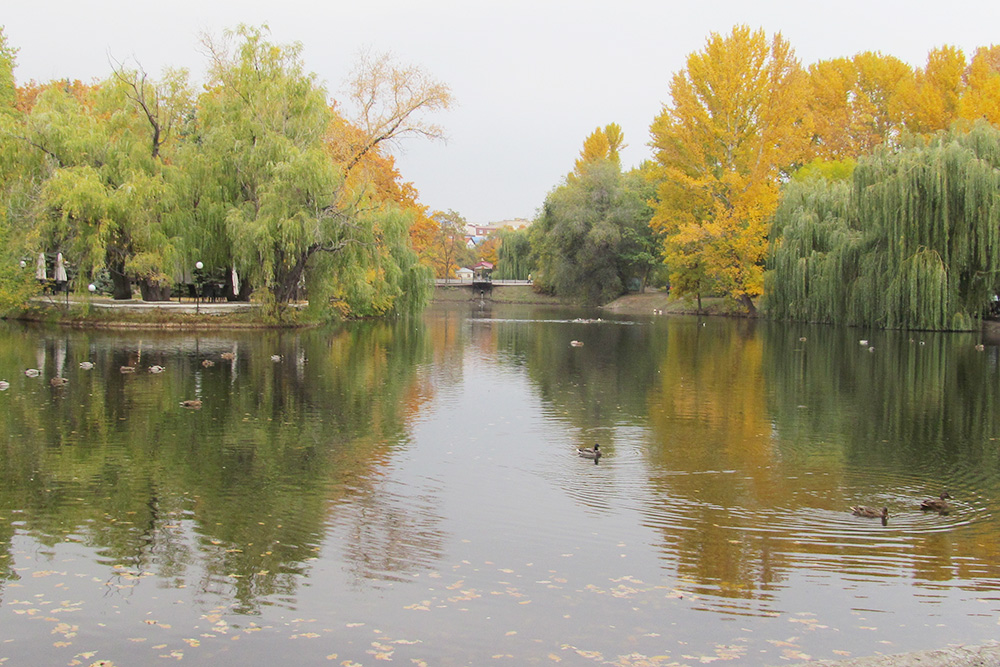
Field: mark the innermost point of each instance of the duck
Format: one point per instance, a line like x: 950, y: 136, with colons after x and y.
x: 576, y: 343
x: 275, y: 357
x: 32, y: 372
x: 4, y: 385
x: 207, y: 363
x: 590, y: 452
x: 870, y: 512
x: 980, y: 347
x: 86, y: 365
x: 156, y: 369
x: 228, y: 356
x: 939, y: 504
x: 191, y: 403
x: 127, y: 369
x: 863, y: 342
x: 58, y: 382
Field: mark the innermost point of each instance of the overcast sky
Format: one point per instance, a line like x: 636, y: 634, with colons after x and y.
x: 531, y: 78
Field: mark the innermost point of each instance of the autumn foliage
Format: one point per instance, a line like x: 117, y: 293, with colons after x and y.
x: 745, y: 114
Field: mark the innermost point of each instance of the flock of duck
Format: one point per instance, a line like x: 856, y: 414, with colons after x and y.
x: 155, y: 369
x: 939, y: 505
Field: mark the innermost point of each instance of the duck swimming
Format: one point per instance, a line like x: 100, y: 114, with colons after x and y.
x: 58, y: 382
x: 870, y: 512
x: 32, y: 372
x: 86, y: 365
x: 590, y: 453
x: 191, y: 403
x: 938, y: 504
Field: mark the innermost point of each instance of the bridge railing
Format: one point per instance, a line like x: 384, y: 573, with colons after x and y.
x: 470, y: 281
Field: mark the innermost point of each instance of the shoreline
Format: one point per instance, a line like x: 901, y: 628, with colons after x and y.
x: 104, y: 313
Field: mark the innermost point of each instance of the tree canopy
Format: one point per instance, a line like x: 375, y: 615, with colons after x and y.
x: 590, y: 236
x: 911, y: 240
x: 259, y: 175
x: 737, y: 121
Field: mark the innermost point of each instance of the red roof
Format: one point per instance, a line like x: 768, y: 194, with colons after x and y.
x: 483, y: 265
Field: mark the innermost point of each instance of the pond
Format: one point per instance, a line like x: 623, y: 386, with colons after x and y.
x: 411, y: 491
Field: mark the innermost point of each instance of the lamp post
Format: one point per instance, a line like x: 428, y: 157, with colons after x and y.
x: 197, y: 304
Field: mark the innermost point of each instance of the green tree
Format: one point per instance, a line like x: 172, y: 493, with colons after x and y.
x: 514, y: 257
x: 291, y: 212
x: 105, y: 196
x: 587, y: 239
x: 911, y: 241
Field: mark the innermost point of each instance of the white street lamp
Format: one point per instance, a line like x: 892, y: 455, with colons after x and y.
x: 197, y: 303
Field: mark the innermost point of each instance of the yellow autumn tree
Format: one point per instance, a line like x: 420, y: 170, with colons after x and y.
x: 933, y: 97
x: 737, y: 120
x: 856, y: 105
x: 604, y: 143
x: 981, y: 98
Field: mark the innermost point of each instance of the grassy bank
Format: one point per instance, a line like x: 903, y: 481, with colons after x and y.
x: 647, y: 302
x: 499, y: 294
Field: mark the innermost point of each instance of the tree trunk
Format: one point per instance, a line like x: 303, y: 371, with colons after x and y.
x: 747, y: 303
x: 154, y: 291
x: 121, y: 284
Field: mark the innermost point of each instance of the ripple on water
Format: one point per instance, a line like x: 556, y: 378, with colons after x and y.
x: 730, y: 523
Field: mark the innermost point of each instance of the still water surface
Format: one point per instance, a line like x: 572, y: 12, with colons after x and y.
x: 410, y: 491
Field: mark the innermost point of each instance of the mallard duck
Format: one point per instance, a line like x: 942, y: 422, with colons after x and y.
x: 127, y: 369
x: 32, y: 372
x: 938, y: 504
x: 228, y: 356
x: 980, y: 347
x: 86, y: 365
x: 191, y: 403
x: 275, y: 357
x: 590, y: 452
x: 863, y: 342
x: 156, y: 369
x: 58, y: 382
x: 576, y: 343
x: 207, y: 363
x: 4, y: 385
x: 870, y: 512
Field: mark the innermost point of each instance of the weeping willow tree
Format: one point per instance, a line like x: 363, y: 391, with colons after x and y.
x: 514, y: 256
x: 911, y: 241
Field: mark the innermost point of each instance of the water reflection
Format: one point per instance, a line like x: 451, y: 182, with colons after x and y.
x: 243, y: 487
x: 429, y: 466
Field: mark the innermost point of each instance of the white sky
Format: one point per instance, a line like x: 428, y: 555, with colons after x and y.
x: 532, y: 78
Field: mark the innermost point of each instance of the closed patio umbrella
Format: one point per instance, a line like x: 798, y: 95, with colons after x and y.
x: 40, y: 273
x: 236, y: 283
x: 60, y: 269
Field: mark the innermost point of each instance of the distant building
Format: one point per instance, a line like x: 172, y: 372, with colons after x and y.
x: 464, y: 274
x: 476, y: 233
